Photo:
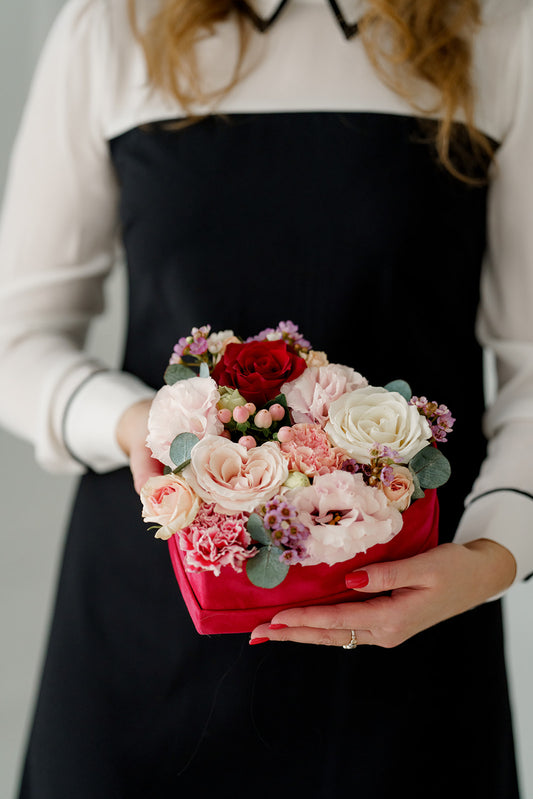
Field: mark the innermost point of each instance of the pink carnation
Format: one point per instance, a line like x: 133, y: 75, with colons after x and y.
x: 215, y: 540
x: 309, y: 451
x: 311, y: 394
x: 345, y: 516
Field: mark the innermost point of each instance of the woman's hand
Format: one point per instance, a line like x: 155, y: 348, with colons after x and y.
x: 424, y: 590
x: 132, y: 430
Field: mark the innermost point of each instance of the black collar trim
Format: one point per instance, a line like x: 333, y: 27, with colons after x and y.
x: 349, y: 29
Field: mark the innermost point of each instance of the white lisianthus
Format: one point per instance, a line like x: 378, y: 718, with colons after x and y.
x: 372, y: 415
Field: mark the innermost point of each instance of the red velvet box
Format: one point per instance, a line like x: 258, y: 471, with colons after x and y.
x: 229, y: 603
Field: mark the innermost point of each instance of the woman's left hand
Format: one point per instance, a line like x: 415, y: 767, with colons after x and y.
x: 421, y: 591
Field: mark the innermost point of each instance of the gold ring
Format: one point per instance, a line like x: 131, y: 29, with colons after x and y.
x: 353, y: 641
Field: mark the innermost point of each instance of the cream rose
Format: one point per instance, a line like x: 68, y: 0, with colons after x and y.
x: 188, y: 406
x: 372, y: 415
x: 234, y: 478
x: 400, y: 489
x: 170, y: 501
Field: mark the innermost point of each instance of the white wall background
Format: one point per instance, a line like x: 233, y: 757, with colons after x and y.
x: 35, y: 505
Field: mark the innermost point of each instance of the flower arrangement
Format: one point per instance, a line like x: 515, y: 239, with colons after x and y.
x: 278, y: 459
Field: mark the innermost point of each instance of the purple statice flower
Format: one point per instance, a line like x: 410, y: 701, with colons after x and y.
x: 350, y: 465
x: 198, y: 346
x: 289, y: 331
x: 438, y: 415
x: 385, y: 452
x: 268, y: 332
x: 292, y: 556
x: 387, y: 475
x: 180, y: 348
x: 281, y: 520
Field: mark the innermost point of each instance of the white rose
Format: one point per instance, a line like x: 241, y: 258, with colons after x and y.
x: 372, y: 415
x: 188, y: 406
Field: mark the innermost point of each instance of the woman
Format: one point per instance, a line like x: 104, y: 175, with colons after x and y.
x: 316, y: 194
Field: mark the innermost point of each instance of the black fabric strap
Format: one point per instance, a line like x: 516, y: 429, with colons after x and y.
x: 498, y: 490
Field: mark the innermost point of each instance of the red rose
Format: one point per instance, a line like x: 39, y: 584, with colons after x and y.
x: 258, y: 369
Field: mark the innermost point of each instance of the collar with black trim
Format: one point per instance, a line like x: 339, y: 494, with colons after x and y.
x: 263, y: 13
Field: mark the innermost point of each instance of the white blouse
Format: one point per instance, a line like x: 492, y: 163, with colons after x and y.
x: 59, y: 232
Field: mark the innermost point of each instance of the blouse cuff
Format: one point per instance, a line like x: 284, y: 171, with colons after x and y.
x: 92, y: 416
x: 505, y: 517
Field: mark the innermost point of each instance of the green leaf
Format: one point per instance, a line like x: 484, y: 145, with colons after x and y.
x: 180, y: 449
x: 265, y: 570
x: 257, y: 530
x: 401, y: 387
x: 177, y: 371
x: 418, y: 493
x: 431, y: 467
x: 204, y: 370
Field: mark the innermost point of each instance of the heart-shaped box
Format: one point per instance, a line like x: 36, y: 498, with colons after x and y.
x: 229, y: 603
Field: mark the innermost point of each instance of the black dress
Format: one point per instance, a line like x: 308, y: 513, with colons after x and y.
x: 346, y: 224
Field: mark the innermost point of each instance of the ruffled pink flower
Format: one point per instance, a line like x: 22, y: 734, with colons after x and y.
x: 309, y: 451
x: 345, y: 516
x: 311, y: 394
x: 188, y: 406
x: 215, y: 540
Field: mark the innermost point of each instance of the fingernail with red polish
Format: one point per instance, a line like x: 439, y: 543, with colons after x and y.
x: 258, y: 641
x: 357, y: 580
x: 277, y: 626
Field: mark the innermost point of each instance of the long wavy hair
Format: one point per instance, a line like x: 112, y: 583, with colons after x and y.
x: 405, y: 40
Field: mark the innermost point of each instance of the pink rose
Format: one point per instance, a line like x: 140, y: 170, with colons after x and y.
x: 400, y: 490
x: 233, y: 477
x: 188, y: 406
x: 345, y: 516
x: 169, y: 501
x: 309, y: 451
x: 214, y: 540
x: 310, y: 395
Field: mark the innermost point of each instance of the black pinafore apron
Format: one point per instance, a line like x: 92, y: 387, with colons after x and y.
x: 346, y: 224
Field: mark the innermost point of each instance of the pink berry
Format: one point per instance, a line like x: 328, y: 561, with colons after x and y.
x: 247, y: 441
x: 250, y: 407
x: 277, y: 412
x: 240, y: 414
x: 285, y: 434
x: 224, y: 415
x: 263, y: 419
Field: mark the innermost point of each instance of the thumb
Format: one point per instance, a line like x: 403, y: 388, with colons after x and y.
x: 378, y: 577
x: 143, y: 466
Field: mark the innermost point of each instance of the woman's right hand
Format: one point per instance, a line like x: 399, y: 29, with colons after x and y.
x: 132, y: 430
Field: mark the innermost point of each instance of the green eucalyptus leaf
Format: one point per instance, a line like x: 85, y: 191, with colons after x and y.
x: 418, y: 493
x: 178, y: 371
x: 401, y: 387
x: 431, y: 467
x: 181, y: 448
x: 257, y: 530
x: 204, y: 370
x: 265, y: 570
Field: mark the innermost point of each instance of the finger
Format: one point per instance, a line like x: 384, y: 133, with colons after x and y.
x: 346, y: 616
x: 143, y: 466
x: 309, y: 635
x: 378, y: 577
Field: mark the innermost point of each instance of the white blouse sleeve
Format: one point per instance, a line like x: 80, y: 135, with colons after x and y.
x: 57, y: 243
x: 500, y: 506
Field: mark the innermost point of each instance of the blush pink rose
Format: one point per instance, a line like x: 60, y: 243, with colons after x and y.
x: 235, y: 478
x: 215, y: 540
x: 168, y: 500
x: 310, y: 395
x: 188, y: 406
x: 309, y: 451
x: 400, y: 490
x: 345, y: 516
